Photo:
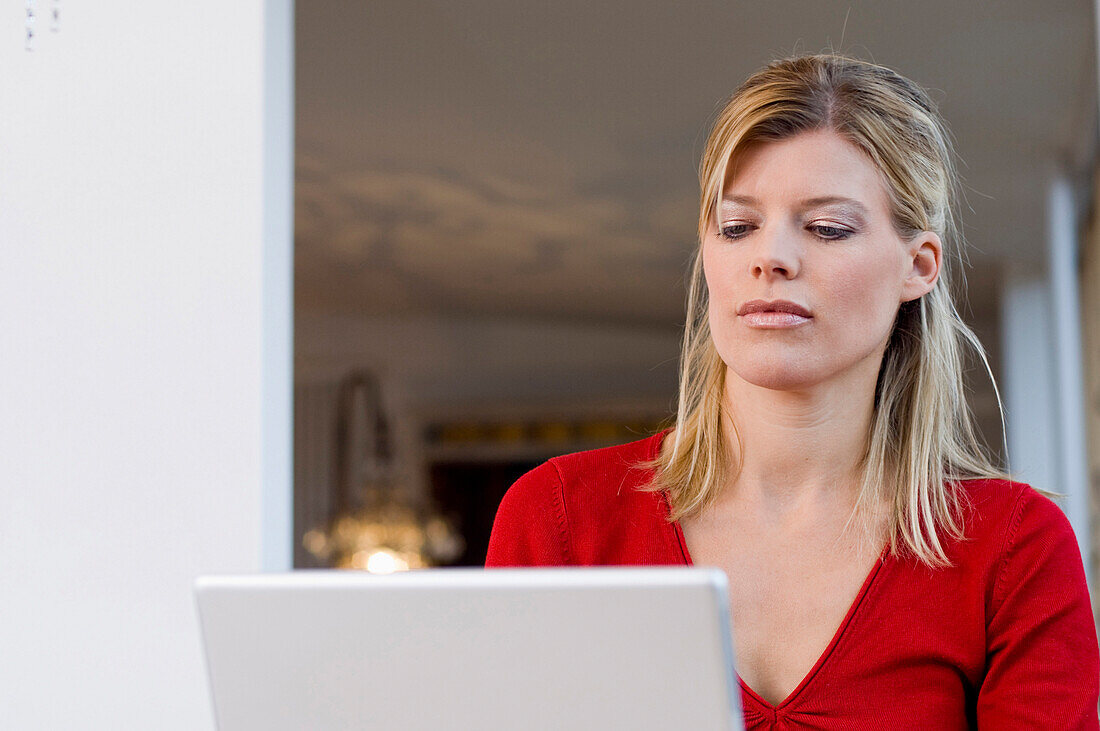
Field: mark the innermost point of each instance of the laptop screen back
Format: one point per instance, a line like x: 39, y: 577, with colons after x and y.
x: 637, y: 648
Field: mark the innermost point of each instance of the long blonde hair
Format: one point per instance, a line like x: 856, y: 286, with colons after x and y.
x: 922, y: 439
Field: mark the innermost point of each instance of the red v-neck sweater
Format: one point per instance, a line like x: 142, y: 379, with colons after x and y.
x: 1003, y: 639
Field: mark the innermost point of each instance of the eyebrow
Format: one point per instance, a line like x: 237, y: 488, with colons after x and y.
x: 823, y: 200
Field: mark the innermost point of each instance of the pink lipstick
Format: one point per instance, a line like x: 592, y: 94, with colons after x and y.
x: 774, y: 314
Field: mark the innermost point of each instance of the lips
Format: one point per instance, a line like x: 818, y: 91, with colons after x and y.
x: 785, y: 306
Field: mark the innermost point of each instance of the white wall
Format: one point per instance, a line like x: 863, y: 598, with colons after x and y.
x: 1044, y: 383
x: 1063, y: 259
x: 135, y: 358
x: 1029, y: 387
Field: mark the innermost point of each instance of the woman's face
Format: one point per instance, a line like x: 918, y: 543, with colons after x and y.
x: 804, y: 269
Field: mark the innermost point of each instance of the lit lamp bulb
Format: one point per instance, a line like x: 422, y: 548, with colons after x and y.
x: 384, y: 539
x: 384, y: 562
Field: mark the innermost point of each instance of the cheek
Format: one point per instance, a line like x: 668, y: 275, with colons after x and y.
x: 863, y: 299
x: 718, y: 277
x: 708, y: 264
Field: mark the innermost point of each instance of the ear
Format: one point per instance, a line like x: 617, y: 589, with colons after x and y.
x: 923, y: 257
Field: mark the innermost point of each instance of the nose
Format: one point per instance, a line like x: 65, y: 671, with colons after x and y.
x: 775, y: 254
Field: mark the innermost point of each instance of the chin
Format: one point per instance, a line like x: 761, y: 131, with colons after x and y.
x: 778, y: 379
x: 780, y: 371
x: 801, y: 371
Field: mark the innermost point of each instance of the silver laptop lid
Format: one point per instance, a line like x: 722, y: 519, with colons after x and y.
x: 600, y: 648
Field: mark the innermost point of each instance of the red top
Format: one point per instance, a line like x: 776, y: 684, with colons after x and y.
x: 1002, y: 639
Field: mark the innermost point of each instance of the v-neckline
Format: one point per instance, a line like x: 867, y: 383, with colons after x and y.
x: 655, y: 446
x: 823, y: 658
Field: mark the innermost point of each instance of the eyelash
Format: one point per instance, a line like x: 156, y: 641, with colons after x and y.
x: 836, y: 232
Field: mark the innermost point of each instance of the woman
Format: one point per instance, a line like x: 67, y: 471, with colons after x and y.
x: 883, y: 572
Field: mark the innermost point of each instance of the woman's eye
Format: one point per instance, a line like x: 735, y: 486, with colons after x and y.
x: 831, y: 233
x: 734, y: 230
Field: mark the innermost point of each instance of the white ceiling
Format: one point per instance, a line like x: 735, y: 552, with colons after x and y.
x: 538, y: 159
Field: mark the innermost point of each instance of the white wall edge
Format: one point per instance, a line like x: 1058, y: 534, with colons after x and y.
x: 1069, y: 356
x: 1029, y: 380
x: 277, y: 258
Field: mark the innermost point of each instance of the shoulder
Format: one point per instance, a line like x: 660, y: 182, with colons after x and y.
x: 530, y: 527
x: 594, y: 470
x: 602, y: 469
x: 999, y: 509
x: 581, y: 508
x: 1041, y: 660
x: 1012, y: 529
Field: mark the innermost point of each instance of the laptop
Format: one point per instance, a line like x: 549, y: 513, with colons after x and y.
x: 471, y: 648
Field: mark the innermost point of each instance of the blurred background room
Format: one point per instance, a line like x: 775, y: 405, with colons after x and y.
x: 495, y: 207
x: 302, y: 284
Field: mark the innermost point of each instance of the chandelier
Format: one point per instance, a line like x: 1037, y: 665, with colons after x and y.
x: 374, y: 526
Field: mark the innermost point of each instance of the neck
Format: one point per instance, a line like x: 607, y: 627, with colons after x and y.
x: 801, y: 449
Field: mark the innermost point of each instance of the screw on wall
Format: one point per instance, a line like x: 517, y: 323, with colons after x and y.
x: 29, y: 26
x: 55, y: 16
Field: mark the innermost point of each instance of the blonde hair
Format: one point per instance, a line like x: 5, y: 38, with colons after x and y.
x: 922, y: 439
